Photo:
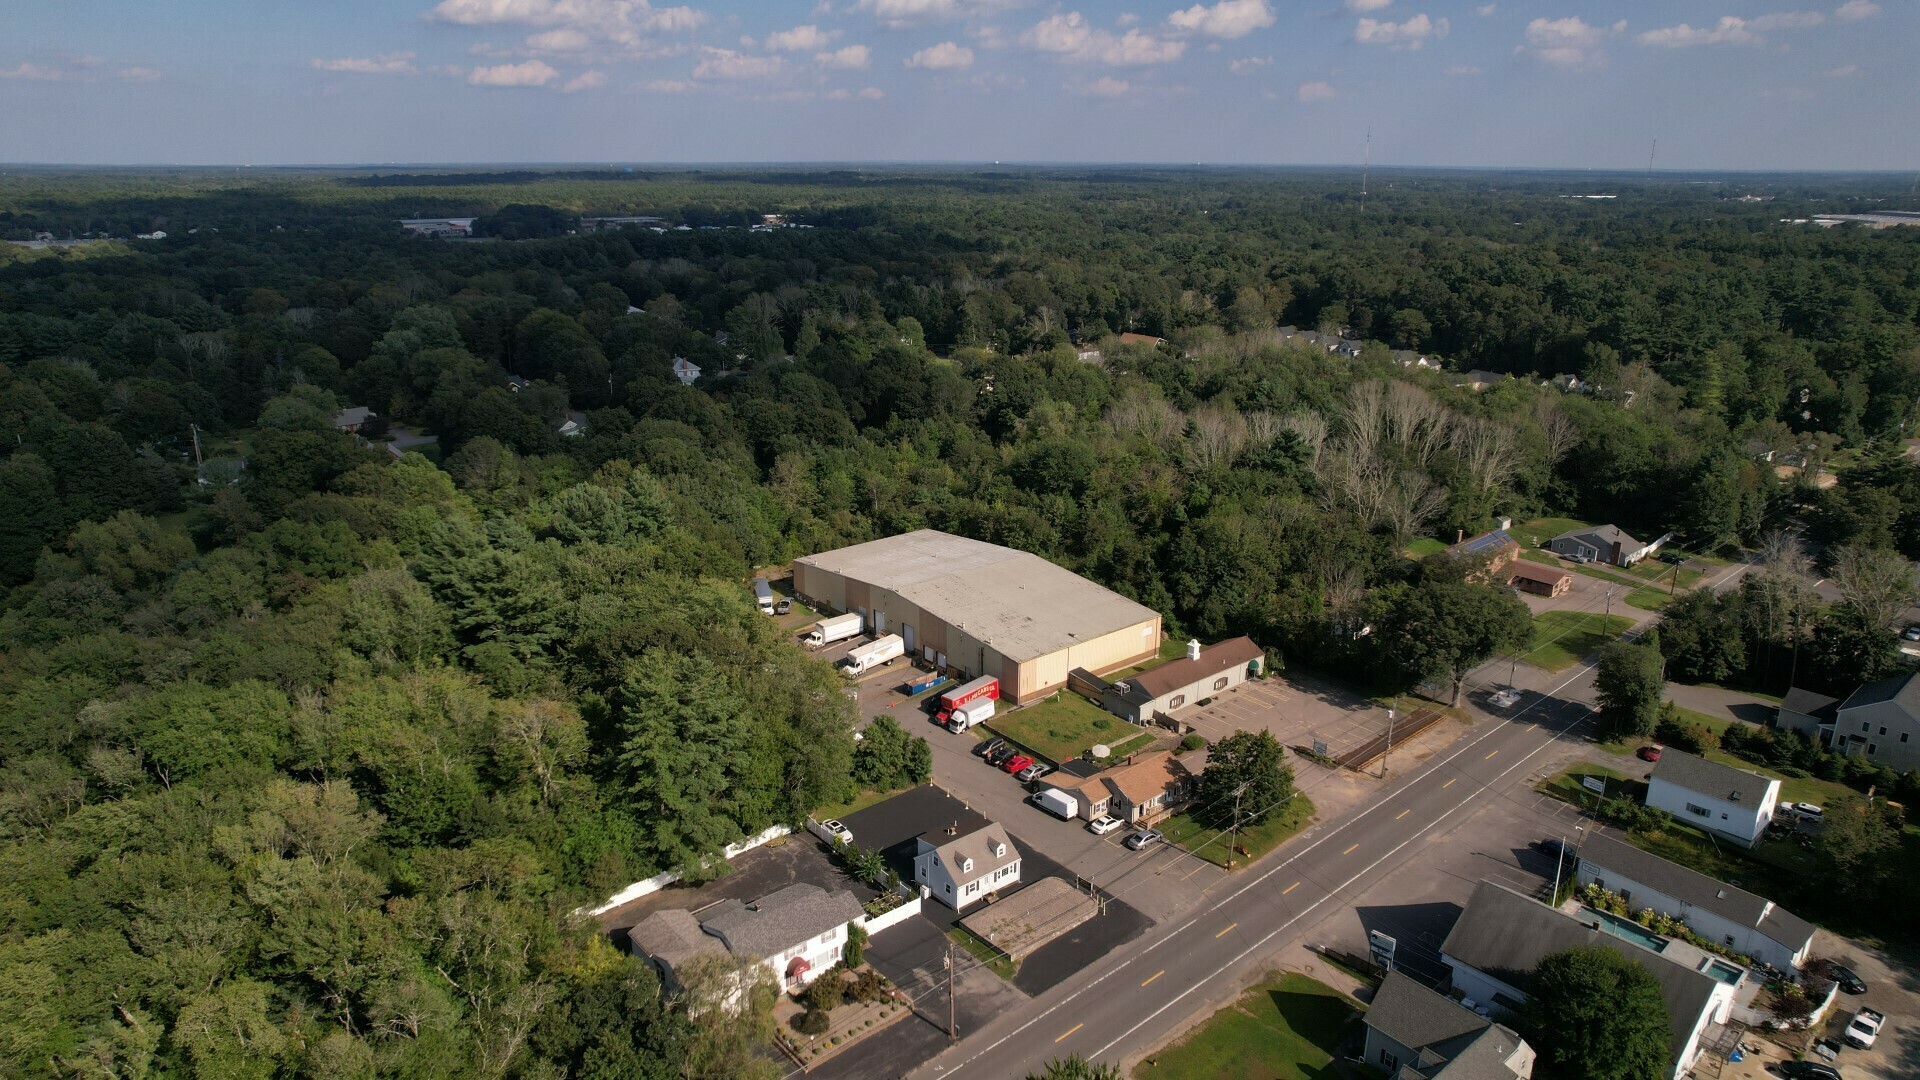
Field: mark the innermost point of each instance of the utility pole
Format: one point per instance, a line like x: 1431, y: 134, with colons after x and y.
x: 1384, y: 754
x: 195, y: 429
x: 1559, y: 859
x: 1233, y: 839
x: 1606, y: 620
x: 953, y: 1029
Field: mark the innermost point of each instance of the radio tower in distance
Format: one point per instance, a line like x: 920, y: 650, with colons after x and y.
x: 1366, y: 163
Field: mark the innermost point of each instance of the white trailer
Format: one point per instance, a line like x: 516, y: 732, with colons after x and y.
x: 881, y: 650
x: 763, y: 595
x: 827, y: 631
x: 1058, y: 803
x: 973, y: 712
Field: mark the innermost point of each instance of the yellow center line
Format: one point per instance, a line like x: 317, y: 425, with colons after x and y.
x: 1221, y: 934
x: 1402, y: 814
x: 1350, y: 850
x: 1448, y: 784
x: 1489, y: 757
x: 1070, y: 1031
x: 1289, y: 888
x: 1148, y: 979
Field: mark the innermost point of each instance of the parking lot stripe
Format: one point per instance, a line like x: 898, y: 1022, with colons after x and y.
x: 1222, y: 933
x: 1070, y: 1031
x: 1350, y: 850
x: 1148, y: 979
x: 1530, y: 727
x: 1402, y: 814
x: 1489, y: 757
x: 1448, y: 784
x: 1289, y: 888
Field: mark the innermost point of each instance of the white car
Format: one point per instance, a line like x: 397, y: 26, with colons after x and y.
x: 838, y: 831
x: 1101, y: 826
x: 1865, y: 1027
x: 1506, y: 699
x: 1808, y: 811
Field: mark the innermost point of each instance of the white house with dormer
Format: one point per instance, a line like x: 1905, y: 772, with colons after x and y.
x: 966, y: 861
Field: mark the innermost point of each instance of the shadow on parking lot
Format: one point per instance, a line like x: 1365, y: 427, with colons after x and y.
x: 1418, y: 930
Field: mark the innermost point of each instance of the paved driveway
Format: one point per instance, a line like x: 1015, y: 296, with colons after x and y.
x: 1298, y: 710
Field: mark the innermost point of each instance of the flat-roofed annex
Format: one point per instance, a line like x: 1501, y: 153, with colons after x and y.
x: 1018, y: 603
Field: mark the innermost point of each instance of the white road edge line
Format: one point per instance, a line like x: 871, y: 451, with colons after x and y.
x: 1430, y: 770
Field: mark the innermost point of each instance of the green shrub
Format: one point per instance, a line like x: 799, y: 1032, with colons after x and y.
x: 1193, y: 741
x: 825, y: 993
x: 812, y: 1022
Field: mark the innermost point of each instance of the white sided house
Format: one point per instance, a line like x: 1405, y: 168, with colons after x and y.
x: 796, y: 933
x: 1181, y: 683
x: 966, y: 861
x: 1716, y: 911
x: 1721, y: 799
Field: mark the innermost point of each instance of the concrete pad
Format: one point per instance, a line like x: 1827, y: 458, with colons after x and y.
x: 1030, y: 918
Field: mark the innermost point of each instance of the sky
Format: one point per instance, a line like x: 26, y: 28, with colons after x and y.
x: 1720, y: 84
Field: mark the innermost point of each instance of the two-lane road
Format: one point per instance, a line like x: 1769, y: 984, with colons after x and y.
x: 1129, y: 1002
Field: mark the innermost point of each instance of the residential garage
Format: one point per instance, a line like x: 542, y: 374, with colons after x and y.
x: 982, y: 609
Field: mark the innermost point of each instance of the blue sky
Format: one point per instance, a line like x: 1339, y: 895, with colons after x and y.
x: 1722, y: 84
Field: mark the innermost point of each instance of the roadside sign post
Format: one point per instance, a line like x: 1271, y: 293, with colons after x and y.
x: 1382, y: 946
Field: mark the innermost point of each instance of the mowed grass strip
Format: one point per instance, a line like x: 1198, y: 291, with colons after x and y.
x: 1561, y: 638
x: 1209, y: 843
x: 1062, y: 727
x: 1287, y: 1028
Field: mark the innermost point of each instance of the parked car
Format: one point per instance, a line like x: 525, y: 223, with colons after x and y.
x: 1808, y: 811
x: 1850, y: 982
x: 997, y: 757
x: 1672, y: 558
x: 1557, y: 850
x: 1034, y: 772
x: 1101, y: 826
x: 1806, y: 1070
x: 1649, y: 753
x: 1143, y: 838
x: 988, y: 747
x: 1865, y: 1027
x: 1579, y: 557
x: 837, y: 831
x: 1015, y: 763
x: 1912, y: 632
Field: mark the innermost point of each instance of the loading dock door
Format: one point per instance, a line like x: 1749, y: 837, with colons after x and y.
x: 906, y: 634
x: 879, y: 621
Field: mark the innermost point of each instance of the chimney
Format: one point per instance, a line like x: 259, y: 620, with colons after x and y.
x: 953, y: 829
x: 1506, y: 523
x: 1459, y: 535
x: 1193, y: 648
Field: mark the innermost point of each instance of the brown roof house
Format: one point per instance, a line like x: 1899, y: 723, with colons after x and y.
x: 1178, y: 684
x: 1535, y: 578
x: 1148, y: 787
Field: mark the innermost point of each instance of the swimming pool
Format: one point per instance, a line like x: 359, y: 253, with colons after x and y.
x: 1627, y: 930
x: 1725, y: 972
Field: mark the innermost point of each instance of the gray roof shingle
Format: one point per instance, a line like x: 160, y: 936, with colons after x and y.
x: 1412, y: 1015
x: 1808, y: 703
x: 674, y: 936
x: 1903, y: 689
x: 782, y: 919
x: 1711, y: 778
x: 1695, y: 889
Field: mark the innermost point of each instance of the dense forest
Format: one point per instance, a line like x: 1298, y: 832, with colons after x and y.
x: 308, y: 748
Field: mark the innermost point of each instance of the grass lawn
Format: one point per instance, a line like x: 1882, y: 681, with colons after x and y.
x: 1792, y: 788
x: 1170, y: 649
x: 1210, y: 844
x: 1137, y: 743
x: 1561, y: 638
x: 1566, y: 785
x: 993, y: 958
x: 1535, y: 533
x: 858, y: 802
x: 1062, y: 727
x: 1289, y: 1028
x: 1648, y: 599
x: 1424, y: 547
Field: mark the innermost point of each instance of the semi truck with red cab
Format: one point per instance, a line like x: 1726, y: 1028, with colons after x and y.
x: 986, y: 686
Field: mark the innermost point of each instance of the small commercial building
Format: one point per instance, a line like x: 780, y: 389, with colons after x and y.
x: 1732, y: 803
x: 1143, y: 790
x: 982, y: 609
x: 1539, y: 579
x: 965, y: 862
x: 1414, y: 1033
x: 1181, y: 683
x: 1715, y: 910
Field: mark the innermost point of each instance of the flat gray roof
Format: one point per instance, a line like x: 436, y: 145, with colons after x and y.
x: 1017, y: 602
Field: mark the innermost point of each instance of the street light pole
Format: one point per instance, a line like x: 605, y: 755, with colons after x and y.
x: 1384, y: 754
x: 1560, y: 858
x: 953, y: 1029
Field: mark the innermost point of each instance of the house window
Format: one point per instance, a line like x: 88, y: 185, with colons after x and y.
x: 1388, y: 1061
x: 827, y: 938
x: 1729, y: 940
x: 1864, y: 727
x: 1871, y: 747
x: 1220, y: 683
x: 1699, y: 811
x: 1903, y: 736
x: 972, y: 887
x: 1176, y: 701
x: 1883, y: 731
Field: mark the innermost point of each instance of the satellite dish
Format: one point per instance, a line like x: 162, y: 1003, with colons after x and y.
x: 1101, y: 750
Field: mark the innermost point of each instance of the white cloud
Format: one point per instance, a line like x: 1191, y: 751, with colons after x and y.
x: 139, y: 74
x: 1228, y: 18
x: 1315, y: 91
x: 667, y: 86
x: 945, y: 56
x: 1248, y: 65
x: 906, y: 12
x: 32, y: 72
x: 1106, y: 86
x: 1855, y: 10
x: 1844, y: 71
x: 1071, y: 37
x: 527, y: 73
x: 618, y: 21
x: 1409, y: 35
x: 398, y: 63
x: 871, y: 93
x: 851, y: 58
x: 800, y: 39
x: 1485, y: 10
x: 564, y: 39
x: 1367, y: 5
x: 1571, y: 42
x: 586, y: 80
x: 1463, y: 69
x: 728, y: 64
x: 1731, y: 30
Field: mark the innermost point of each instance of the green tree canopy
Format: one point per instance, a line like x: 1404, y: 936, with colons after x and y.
x: 1593, y: 1014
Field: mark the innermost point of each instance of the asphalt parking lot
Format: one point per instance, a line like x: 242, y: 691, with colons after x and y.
x: 1298, y: 711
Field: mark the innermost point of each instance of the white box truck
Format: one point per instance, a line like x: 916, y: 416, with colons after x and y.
x: 881, y: 650
x: 827, y: 631
x: 1058, y: 803
x: 973, y: 712
x: 763, y: 595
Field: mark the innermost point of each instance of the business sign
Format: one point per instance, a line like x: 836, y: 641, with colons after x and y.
x: 1594, y: 783
x: 1382, y: 946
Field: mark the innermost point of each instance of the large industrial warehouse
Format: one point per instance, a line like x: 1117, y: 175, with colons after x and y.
x: 982, y: 608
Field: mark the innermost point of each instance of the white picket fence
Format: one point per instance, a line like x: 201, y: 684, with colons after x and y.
x: 660, y: 881
x: 877, y: 923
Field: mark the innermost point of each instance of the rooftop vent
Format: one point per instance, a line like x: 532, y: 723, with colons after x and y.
x: 1193, y: 649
